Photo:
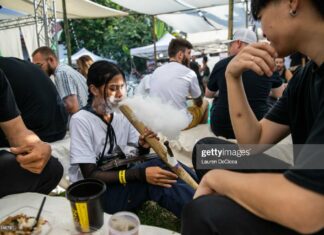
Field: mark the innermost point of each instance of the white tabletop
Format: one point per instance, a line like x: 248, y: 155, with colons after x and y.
x: 59, y: 214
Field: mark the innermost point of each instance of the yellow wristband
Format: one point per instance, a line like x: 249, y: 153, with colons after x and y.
x: 122, y: 177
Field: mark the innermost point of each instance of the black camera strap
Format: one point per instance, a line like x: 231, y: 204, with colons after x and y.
x: 110, y: 133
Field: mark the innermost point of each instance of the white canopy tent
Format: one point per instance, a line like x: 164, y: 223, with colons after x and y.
x: 190, y: 16
x: 204, y: 21
x: 148, y: 51
x: 209, y: 42
x: 76, y: 9
x: 169, y: 6
x: 9, y: 14
x: 83, y: 52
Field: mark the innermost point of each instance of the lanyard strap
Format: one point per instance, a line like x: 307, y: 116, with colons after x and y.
x: 110, y: 133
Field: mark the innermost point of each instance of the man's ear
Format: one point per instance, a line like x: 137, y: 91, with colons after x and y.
x: 239, y: 44
x: 51, y: 60
x: 179, y: 56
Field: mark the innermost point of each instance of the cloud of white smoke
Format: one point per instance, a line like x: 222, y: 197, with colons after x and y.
x: 158, y: 116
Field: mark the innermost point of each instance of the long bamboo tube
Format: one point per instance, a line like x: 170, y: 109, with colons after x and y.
x: 158, y: 147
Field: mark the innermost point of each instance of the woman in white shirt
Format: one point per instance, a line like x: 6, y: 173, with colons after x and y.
x: 97, y: 130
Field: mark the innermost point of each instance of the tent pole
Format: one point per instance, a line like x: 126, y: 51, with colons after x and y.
x: 246, y: 14
x: 36, y: 23
x: 154, y: 40
x: 45, y: 23
x: 67, y: 34
x: 230, y: 19
x: 55, y: 39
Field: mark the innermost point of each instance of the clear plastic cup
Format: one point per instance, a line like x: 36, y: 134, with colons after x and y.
x: 123, y: 223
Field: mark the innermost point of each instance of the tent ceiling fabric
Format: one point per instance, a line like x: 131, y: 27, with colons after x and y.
x: 148, y: 51
x: 8, y: 14
x: 153, y: 7
x: 76, y: 9
x: 209, y: 42
x: 191, y: 16
x: 193, y: 22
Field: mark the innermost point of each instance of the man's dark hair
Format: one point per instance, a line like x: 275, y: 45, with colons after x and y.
x: 45, y: 51
x: 205, y: 59
x: 178, y: 44
x: 258, y: 5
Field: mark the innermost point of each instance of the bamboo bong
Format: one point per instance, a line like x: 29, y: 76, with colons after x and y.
x: 158, y: 147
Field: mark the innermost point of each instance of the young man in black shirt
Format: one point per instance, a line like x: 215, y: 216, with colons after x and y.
x: 257, y: 88
x: 42, y: 110
x: 28, y: 167
x: 291, y: 202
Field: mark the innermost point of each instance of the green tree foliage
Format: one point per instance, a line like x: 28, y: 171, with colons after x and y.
x: 114, y: 37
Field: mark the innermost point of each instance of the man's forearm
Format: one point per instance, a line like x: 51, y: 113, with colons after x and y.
x: 17, y: 133
x: 25, y: 138
x: 245, y: 125
x: 209, y: 93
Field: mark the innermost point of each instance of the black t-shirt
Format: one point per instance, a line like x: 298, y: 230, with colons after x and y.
x: 257, y: 89
x: 206, y: 72
x: 296, y: 59
x: 302, y: 108
x: 283, y: 75
x: 37, y: 99
x: 195, y: 67
x: 8, y: 107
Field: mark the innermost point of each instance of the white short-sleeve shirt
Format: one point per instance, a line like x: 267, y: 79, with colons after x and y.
x: 88, y: 134
x: 172, y: 83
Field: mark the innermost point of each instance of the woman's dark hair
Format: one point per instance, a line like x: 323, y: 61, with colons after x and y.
x: 258, y: 5
x: 100, y: 73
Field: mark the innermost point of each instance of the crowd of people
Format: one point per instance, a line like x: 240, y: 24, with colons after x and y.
x: 256, y: 100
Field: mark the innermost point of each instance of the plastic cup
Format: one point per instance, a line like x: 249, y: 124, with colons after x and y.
x: 123, y: 223
x: 85, y: 197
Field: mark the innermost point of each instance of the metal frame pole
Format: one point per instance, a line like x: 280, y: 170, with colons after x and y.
x: 67, y: 33
x: 45, y: 22
x: 154, y: 41
x: 55, y: 39
x: 246, y: 13
x: 36, y: 23
x: 230, y: 19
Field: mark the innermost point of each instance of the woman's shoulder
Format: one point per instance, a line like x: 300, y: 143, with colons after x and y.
x: 83, y: 116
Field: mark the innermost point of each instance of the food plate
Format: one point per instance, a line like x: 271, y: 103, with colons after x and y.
x: 30, y: 212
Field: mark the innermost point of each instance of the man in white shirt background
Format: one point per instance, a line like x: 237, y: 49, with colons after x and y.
x: 174, y: 82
